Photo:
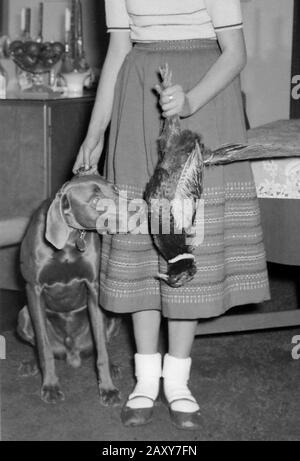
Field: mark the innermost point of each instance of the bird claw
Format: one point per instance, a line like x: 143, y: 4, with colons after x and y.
x: 166, y: 75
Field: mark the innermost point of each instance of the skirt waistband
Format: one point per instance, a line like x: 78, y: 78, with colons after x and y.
x: 176, y: 44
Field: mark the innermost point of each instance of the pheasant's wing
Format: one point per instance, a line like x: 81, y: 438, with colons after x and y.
x: 196, y: 235
x: 190, y: 181
x: 188, y: 190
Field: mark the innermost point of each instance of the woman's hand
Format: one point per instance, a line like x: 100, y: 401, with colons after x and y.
x: 173, y: 101
x: 89, y: 154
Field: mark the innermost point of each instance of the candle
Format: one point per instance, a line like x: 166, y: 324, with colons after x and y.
x: 73, y: 29
x: 79, y: 19
x: 68, y: 20
x: 28, y: 20
x: 41, y: 21
x: 23, y: 19
x: 73, y: 18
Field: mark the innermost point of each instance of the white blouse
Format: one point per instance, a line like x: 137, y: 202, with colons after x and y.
x: 153, y: 20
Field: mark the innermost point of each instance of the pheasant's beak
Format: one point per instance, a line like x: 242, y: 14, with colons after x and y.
x: 163, y: 277
x: 174, y: 281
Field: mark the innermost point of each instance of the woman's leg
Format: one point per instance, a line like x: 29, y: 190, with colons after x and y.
x: 177, y: 364
x: 146, y: 325
x: 138, y: 409
x: 181, y: 337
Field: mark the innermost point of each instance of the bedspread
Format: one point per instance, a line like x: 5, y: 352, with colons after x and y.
x: 278, y: 178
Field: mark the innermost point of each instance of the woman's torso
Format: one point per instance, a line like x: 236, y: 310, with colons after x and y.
x: 169, y: 19
x: 153, y: 20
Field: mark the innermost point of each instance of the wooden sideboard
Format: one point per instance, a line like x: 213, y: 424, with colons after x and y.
x: 39, y: 140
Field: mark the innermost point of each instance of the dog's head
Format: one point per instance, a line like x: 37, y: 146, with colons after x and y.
x: 76, y: 206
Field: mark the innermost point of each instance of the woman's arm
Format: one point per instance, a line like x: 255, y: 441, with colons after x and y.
x: 119, y: 47
x: 231, y: 62
x: 91, y: 149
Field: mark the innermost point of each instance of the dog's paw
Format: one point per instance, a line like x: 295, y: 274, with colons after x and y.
x: 115, y: 370
x: 110, y: 397
x: 52, y: 394
x: 28, y: 368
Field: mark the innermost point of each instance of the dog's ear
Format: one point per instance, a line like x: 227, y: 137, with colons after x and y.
x: 57, y: 230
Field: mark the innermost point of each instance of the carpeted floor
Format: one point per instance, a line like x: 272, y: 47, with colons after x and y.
x: 247, y: 385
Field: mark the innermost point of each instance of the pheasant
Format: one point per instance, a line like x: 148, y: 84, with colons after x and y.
x: 177, y: 185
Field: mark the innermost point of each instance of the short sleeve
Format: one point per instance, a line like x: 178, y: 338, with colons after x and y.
x: 225, y: 14
x: 117, y: 18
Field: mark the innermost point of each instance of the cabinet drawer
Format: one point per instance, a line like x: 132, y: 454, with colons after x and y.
x: 23, y: 170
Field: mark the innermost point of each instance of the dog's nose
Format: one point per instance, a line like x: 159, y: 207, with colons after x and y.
x: 94, y: 202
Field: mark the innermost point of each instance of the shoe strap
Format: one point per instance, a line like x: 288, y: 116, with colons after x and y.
x: 134, y: 396
x: 180, y: 399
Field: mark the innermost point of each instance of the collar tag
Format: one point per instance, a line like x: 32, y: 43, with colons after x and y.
x: 81, y: 242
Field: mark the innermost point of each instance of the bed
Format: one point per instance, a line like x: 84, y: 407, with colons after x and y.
x: 278, y: 189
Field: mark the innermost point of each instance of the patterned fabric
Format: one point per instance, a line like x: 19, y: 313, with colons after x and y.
x: 278, y: 178
x: 231, y: 261
x: 152, y: 20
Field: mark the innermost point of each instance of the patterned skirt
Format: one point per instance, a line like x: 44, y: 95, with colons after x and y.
x: 231, y: 260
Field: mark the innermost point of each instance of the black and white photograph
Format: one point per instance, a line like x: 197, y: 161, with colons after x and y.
x: 149, y: 223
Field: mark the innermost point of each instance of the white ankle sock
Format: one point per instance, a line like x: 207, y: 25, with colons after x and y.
x: 176, y: 373
x: 148, y: 374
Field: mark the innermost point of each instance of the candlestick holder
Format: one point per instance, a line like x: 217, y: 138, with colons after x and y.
x: 74, y: 58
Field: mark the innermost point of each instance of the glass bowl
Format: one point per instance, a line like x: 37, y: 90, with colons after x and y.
x: 36, y: 59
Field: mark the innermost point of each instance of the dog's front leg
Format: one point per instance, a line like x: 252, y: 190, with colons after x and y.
x: 50, y: 392
x: 109, y: 394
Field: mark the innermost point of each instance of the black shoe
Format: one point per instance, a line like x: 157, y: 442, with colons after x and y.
x: 188, y: 421
x: 132, y: 417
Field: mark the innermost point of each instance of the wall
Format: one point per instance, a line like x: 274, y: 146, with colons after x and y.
x: 93, y: 18
x: 266, y: 79
x: 268, y: 31
x: 3, y: 16
x: 53, y: 17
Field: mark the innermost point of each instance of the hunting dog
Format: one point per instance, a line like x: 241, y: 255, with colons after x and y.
x: 60, y: 256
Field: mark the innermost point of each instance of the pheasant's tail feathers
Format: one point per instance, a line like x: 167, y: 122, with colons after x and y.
x: 223, y: 154
x: 239, y: 152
